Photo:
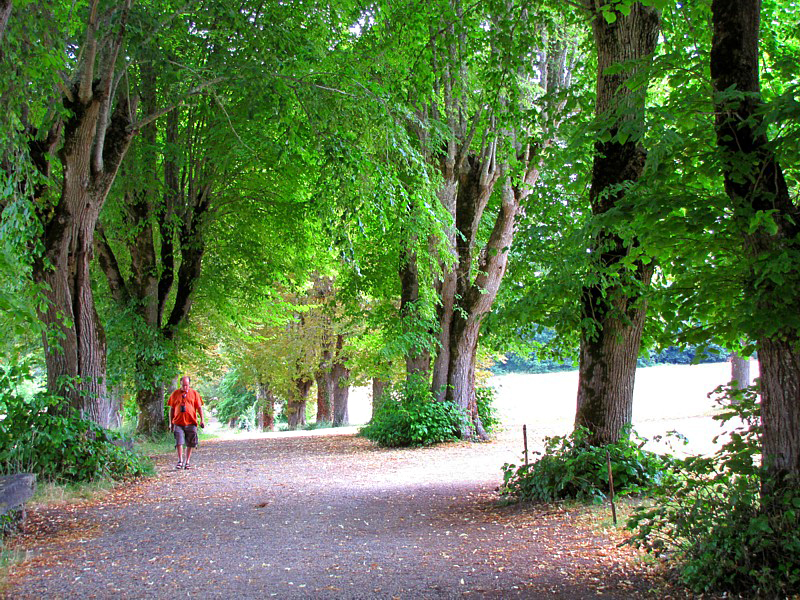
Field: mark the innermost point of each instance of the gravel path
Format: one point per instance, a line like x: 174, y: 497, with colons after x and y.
x: 323, y: 515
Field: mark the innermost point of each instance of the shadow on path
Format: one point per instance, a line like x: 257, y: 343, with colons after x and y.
x: 322, y: 516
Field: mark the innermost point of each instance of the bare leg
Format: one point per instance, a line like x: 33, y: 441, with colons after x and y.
x: 188, y: 453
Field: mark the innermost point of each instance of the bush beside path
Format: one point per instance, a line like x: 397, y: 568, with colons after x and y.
x: 325, y: 514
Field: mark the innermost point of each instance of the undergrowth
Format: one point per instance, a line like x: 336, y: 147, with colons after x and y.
x: 571, y: 468
x: 709, y: 518
x: 409, y: 416
x: 37, y: 437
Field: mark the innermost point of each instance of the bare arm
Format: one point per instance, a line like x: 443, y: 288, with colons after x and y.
x: 200, y: 414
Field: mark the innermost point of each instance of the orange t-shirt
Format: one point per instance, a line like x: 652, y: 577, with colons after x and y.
x: 191, y: 402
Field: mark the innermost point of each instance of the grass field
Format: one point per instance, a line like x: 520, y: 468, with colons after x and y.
x: 666, y: 397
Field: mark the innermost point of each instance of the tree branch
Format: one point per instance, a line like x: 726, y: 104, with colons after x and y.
x: 167, y: 109
x: 109, y: 265
x: 87, y: 70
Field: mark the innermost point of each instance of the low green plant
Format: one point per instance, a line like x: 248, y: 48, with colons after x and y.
x: 37, y: 438
x: 570, y: 468
x: 485, y: 397
x: 707, y: 516
x: 410, y: 416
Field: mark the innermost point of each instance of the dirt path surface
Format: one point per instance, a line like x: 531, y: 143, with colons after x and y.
x: 323, y: 515
x: 329, y: 515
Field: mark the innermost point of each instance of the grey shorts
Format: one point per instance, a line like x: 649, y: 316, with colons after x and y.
x: 185, y: 435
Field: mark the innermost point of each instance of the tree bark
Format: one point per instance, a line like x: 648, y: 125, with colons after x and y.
x: 341, y: 391
x: 471, y: 168
x: 5, y: 14
x: 150, y: 403
x: 75, y: 345
x: 322, y: 293
x: 296, y: 405
x: 610, y: 345
x: 755, y: 183
x: 325, y: 395
x: 475, y: 297
x: 266, y: 407
x: 740, y: 371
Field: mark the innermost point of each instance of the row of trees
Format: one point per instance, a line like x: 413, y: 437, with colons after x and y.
x: 216, y: 161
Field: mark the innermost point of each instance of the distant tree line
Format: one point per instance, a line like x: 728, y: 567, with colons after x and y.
x: 673, y: 355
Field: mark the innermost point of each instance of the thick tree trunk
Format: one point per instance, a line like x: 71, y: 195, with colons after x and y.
x: 296, y: 406
x: 75, y: 345
x: 151, y: 284
x: 95, y: 140
x: 461, y: 389
x: 325, y: 396
x: 116, y: 398
x: 754, y: 182
x: 341, y: 391
x: 779, y: 362
x: 150, y: 402
x: 470, y: 170
x: 610, y: 345
x: 608, y: 359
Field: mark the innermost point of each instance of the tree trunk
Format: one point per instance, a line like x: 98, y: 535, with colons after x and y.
x: 740, y: 372
x: 610, y: 345
x: 461, y: 373
x: 150, y: 402
x: 755, y: 184
x: 418, y: 357
x: 447, y: 294
x: 116, y: 398
x: 607, y: 368
x: 75, y: 345
x: 266, y: 407
x: 779, y: 384
x: 471, y: 166
x: 379, y: 387
x: 95, y: 140
x: 325, y: 380
x: 475, y: 297
x: 296, y: 405
x: 5, y: 13
x: 325, y: 396
x: 341, y: 391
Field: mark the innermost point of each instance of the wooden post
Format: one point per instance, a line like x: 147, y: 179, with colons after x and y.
x: 525, y: 442
x: 611, y: 487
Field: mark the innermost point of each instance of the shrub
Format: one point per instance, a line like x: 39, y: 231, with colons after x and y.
x: 708, y: 516
x: 485, y: 397
x: 61, y: 448
x: 570, y: 468
x: 409, y: 416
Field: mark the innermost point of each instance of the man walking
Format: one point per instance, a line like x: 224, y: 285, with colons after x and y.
x: 185, y: 406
